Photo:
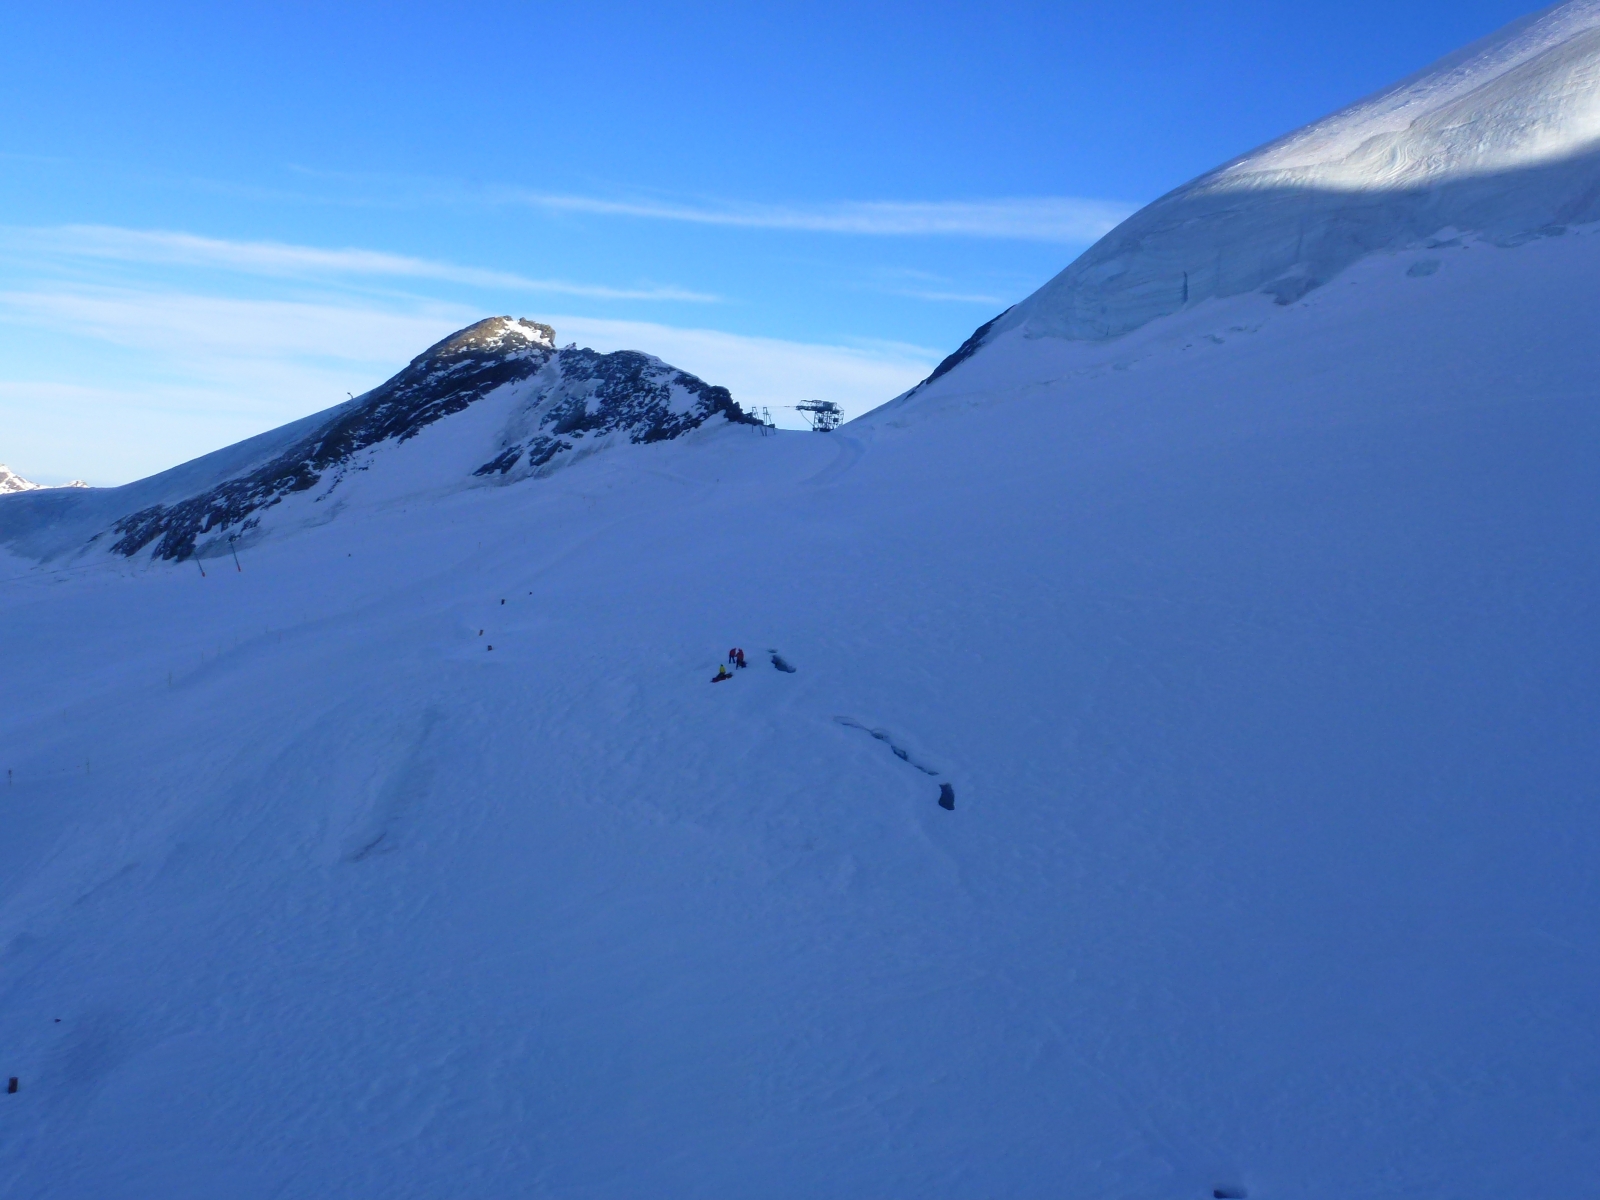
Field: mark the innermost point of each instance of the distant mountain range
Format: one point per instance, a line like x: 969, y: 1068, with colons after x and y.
x: 11, y: 482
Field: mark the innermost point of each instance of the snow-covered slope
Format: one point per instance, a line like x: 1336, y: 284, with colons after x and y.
x: 1501, y: 139
x: 496, y: 401
x: 420, y: 858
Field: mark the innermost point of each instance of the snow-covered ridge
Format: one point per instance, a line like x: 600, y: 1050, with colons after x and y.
x: 543, y: 403
x: 1500, y: 139
x: 1521, y: 96
x: 10, y: 482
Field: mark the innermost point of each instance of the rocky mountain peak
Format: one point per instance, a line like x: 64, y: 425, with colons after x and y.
x: 503, y: 335
x: 552, y: 401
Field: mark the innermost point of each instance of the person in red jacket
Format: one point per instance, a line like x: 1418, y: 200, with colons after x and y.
x: 738, y: 658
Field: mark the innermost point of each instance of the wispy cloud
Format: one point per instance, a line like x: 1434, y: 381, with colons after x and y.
x: 178, y: 373
x: 1064, y: 219
x: 220, y: 334
x: 110, y: 384
x: 114, y: 432
x: 283, y: 260
x: 767, y: 371
x: 915, y: 284
x: 944, y: 297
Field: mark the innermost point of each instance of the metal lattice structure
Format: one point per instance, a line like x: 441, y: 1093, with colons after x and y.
x: 825, y: 416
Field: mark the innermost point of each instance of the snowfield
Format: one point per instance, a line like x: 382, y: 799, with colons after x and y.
x: 1500, y: 139
x: 420, y: 858
x: 1264, y: 673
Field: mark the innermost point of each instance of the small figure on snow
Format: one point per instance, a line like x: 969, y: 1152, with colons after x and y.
x: 738, y: 659
x: 722, y: 673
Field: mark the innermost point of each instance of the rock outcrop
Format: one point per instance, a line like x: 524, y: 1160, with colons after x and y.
x: 560, y: 397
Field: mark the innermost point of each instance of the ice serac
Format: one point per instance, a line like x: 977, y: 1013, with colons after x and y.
x: 1501, y: 139
x: 548, y: 402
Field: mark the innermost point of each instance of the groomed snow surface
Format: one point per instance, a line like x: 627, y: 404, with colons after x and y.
x: 1258, y: 648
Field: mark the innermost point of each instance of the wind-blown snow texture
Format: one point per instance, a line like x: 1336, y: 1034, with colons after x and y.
x: 1256, y: 645
x: 1500, y: 139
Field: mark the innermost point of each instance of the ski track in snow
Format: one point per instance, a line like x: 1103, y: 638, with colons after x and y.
x: 887, y: 739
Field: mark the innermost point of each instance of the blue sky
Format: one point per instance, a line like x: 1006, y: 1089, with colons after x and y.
x: 215, y: 219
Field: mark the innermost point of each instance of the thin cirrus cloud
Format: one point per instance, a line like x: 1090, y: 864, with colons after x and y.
x: 222, y: 339
x: 944, y: 297
x: 160, y: 247
x: 1063, y: 220
x: 234, y: 339
x: 1067, y: 220
x: 159, y: 375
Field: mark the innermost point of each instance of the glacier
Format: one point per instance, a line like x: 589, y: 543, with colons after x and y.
x: 1500, y: 140
x: 414, y: 855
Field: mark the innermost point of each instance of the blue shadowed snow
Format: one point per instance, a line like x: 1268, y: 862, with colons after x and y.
x: 418, y: 858
x: 1264, y: 667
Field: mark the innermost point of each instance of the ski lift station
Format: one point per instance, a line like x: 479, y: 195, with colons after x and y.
x: 825, y: 416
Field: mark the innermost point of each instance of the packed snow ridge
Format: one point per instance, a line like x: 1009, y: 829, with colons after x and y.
x: 1500, y: 139
x: 533, y: 407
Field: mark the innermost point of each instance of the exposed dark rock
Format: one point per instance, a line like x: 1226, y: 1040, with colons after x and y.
x: 595, y: 393
x: 591, y: 394
x: 502, y: 463
x: 964, y: 351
